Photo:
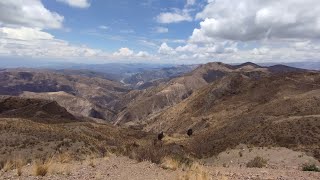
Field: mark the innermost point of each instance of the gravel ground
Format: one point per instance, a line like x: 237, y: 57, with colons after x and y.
x: 123, y: 168
x: 117, y: 168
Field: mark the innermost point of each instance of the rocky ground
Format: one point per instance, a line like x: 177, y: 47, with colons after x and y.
x: 282, y: 164
x: 103, y: 168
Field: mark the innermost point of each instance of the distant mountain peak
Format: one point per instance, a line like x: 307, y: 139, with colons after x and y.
x: 280, y: 68
x: 246, y: 64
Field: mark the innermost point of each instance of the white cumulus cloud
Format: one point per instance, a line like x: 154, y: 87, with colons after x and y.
x: 245, y: 20
x: 76, y: 3
x: 35, y: 43
x: 124, y: 52
x: 24, y: 33
x: 29, y: 42
x: 30, y: 13
x: 143, y: 54
x: 174, y: 17
x: 164, y: 49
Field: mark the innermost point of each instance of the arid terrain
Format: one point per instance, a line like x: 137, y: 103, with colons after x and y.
x: 119, y: 167
x: 248, y: 122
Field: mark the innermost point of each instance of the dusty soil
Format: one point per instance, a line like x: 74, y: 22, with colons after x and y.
x: 277, y: 158
x: 114, y: 167
x: 103, y: 168
x: 260, y: 174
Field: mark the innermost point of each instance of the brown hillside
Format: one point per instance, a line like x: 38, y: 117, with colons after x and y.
x: 75, y: 105
x: 93, y: 94
x: 277, y: 110
x: 166, y: 94
x: 37, y: 129
x: 155, y: 99
x: 38, y: 109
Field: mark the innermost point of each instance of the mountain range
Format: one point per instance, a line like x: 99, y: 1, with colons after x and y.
x: 225, y: 105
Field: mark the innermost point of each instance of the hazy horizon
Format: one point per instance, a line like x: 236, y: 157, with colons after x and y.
x: 311, y: 65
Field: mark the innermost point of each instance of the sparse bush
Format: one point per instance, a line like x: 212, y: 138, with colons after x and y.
x: 41, y: 169
x: 19, y: 171
x: 8, y: 165
x: 156, y: 152
x: 64, y: 157
x: 147, y: 152
x: 58, y: 168
x: 257, y: 162
x: 195, y: 172
x: 310, y: 167
x: 175, y: 162
x: 18, y: 165
x: 170, y: 163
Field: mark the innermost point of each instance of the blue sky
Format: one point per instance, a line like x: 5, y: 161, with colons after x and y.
x: 160, y: 31
x: 110, y: 25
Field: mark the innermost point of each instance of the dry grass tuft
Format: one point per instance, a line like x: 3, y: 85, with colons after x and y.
x: 8, y: 165
x: 195, y: 172
x: 19, y: 171
x: 54, y: 165
x: 64, y: 157
x: 92, y: 164
x: 12, y: 164
x: 174, y: 162
x: 90, y: 161
x: 18, y: 165
x: 170, y: 163
x: 59, y: 168
x: 42, y: 168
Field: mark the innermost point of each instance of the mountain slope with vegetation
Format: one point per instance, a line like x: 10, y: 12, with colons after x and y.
x: 276, y: 110
x: 153, y: 100
x: 82, y: 95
